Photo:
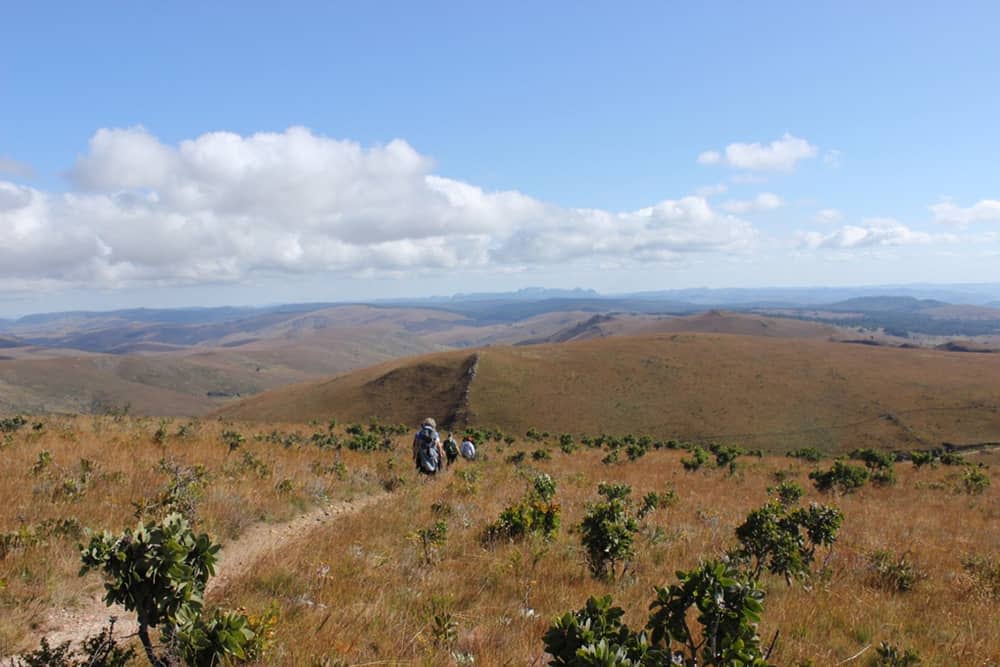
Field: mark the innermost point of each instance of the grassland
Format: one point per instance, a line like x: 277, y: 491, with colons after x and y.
x: 362, y: 590
x: 771, y: 393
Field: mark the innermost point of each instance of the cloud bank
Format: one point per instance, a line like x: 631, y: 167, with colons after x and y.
x: 223, y: 207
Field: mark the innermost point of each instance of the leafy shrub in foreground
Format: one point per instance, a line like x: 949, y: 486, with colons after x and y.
x: 609, y: 528
x: 537, y: 513
x: 784, y: 541
x: 159, y: 571
x: 725, y: 606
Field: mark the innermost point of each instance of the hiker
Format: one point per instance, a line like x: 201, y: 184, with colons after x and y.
x: 468, y: 449
x: 428, y: 455
x: 451, y: 448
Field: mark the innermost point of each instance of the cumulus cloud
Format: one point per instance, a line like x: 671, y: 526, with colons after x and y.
x: 779, y: 155
x: 765, y: 201
x: 947, y: 213
x: 226, y: 207
x: 873, y: 232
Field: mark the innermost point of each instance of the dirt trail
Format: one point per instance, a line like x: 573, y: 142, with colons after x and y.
x: 236, y: 558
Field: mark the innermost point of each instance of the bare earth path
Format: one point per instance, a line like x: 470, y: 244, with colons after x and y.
x: 235, y: 558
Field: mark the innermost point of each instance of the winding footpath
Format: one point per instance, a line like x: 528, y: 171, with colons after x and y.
x: 236, y: 558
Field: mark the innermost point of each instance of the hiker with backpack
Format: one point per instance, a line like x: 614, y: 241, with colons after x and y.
x: 451, y: 448
x: 428, y: 453
x: 468, y: 449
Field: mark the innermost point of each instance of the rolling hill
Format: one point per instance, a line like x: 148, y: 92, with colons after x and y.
x: 776, y: 394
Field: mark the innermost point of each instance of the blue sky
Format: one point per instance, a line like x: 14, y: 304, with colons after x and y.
x: 200, y: 153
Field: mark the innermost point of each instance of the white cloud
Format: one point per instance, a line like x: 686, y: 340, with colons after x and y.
x: 779, y: 155
x: 828, y: 216
x: 15, y: 168
x: 223, y: 207
x: 947, y: 213
x: 873, y: 232
x: 765, y: 201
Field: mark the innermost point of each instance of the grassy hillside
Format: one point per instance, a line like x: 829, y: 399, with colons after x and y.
x: 775, y: 394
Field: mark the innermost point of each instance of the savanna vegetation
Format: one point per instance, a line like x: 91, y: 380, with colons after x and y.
x: 569, y: 548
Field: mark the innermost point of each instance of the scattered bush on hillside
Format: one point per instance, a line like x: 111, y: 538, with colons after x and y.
x: 533, y: 434
x: 879, y: 464
x: 788, y: 492
x: 699, y: 457
x: 842, y: 477
x: 159, y: 571
x: 431, y: 539
x: 566, y: 443
x: 873, y: 459
x: 726, y: 456
x: 728, y: 609
x: 608, y: 529
x: 784, y: 541
x: 951, y: 459
x: 516, y: 458
x: 888, y: 655
x: 467, y: 481
x: 892, y: 573
x: 536, y: 513
x: 541, y: 455
x: 11, y: 424
x: 920, y: 459
x: 181, y: 494
x: 100, y: 650
x: 975, y: 481
x: 810, y: 454
x: 232, y: 439
x: 984, y: 572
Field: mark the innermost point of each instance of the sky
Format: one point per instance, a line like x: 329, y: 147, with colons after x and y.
x: 185, y: 154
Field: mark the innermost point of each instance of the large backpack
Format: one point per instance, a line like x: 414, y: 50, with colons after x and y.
x: 428, y: 459
x: 451, y: 449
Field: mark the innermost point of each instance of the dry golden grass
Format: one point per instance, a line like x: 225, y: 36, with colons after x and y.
x: 39, y: 574
x: 769, y: 393
x: 359, y: 590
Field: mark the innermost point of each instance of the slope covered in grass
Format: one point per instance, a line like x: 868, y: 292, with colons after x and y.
x: 775, y: 394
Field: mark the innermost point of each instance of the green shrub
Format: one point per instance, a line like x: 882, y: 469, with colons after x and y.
x: 159, y: 571
x: 883, y: 477
x: 873, y: 459
x: 608, y: 529
x: 537, y: 512
x: 887, y: 655
x: 810, y: 454
x: 985, y: 574
x: 920, y: 459
x: 951, y: 459
x: 699, y: 457
x: 784, y: 541
x: 975, y: 481
x: 892, y: 573
x: 842, y: 477
x: 788, y: 492
x: 724, y: 607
